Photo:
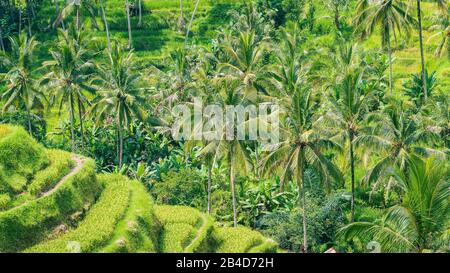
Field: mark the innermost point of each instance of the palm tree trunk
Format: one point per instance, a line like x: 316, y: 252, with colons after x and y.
x: 2, y: 45
x: 130, y: 41
x: 108, y: 38
x: 72, y: 120
x: 181, y: 18
x: 190, y: 22
x: 29, y: 122
x: 80, y: 114
x: 78, y: 18
x: 301, y: 188
x: 422, y: 57
x: 390, y: 59
x: 28, y: 18
x: 352, y: 171
x: 140, y: 14
x: 20, y: 20
x: 336, y: 18
x: 232, y: 184
x: 209, y: 188
x: 120, y: 138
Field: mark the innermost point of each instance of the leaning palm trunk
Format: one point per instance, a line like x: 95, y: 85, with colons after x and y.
x: 108, y: 38
x: 422, y: 58
x: 301, y: 189
x: 130, y: 41
x: 190, y: 22
x: 352, y: 171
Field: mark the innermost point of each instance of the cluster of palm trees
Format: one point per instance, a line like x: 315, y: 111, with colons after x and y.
x: 334, y: 111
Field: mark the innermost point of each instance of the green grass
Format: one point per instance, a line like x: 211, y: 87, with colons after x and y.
x: 242, y: 240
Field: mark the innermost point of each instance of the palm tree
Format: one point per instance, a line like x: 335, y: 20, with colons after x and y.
x: 398, y: 135
x: 420, y: 221
x: 181, y: 21
x: 391, y: 16
x: 301, y: 144
x: 77, y: 6
x: 350, y: 102
x: 119, y: 96
x: 234, y: 151
x: 21, y: 86
x: 70, y: 70
x: 443, y: 30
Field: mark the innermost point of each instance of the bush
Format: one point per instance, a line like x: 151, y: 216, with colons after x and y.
x: 29, y: 223
x: 185, y: 187
x: 60, y: 165
x: 19, y: 153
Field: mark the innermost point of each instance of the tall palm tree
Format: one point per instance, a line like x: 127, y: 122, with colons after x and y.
x: 234, y: 151
x: 68, y: 76
x: 119, y: 96
x: 21, y: 86
x: 301, y: 145
x: 190, y: 22
x: 420, y: 221
x: 350, y: 102
x: 391, y: 16
x: 181, y: 22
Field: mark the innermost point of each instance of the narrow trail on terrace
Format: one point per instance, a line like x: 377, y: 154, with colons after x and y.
x: 79, y: 161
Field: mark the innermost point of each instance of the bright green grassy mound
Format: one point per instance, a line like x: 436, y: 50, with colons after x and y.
x: 120, y: 221
x: 184, y: 229
x: 187, y: 230
x: 20, y: 158
x: 25, y: 225
x: 242, y: 240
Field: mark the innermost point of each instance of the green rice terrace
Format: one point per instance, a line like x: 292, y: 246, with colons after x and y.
x: 53, y: 201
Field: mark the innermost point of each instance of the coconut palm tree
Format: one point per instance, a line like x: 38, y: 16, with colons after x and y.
x: 397, y: 135
x: 119, y: 96
x: 442, y: 26
x: 301, y: 145
x: 391, y: 16
x: 420, y: 222
x: 350, y: 102
x: 68, y: 76
x: 21, y: 88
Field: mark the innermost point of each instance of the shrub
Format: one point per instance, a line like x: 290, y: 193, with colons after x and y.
x: 60, y: 165
x: 27, y: 224
x: 20, y: 153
